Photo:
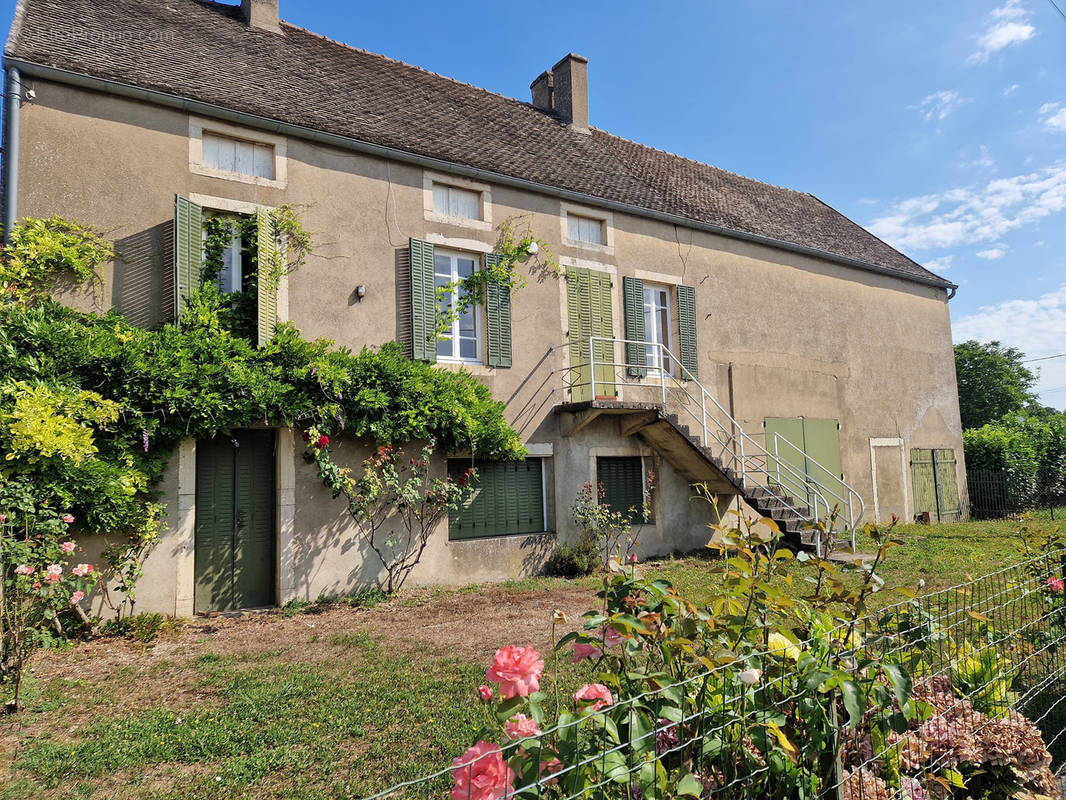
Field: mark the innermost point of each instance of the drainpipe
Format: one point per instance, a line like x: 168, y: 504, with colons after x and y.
x: 12, y: 104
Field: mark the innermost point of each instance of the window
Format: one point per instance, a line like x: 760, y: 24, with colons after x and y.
x: 459, y: 341
x: 622, y: 478
x: 507, y: 499
x: 586, y: 230
x: 657, y: 327
x: 455, y: 202
x: 237, y: 156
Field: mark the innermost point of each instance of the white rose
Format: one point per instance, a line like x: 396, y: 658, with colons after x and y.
x: 750, y: 676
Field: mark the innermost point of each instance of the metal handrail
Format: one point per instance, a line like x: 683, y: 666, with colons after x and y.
x: 738, y: 449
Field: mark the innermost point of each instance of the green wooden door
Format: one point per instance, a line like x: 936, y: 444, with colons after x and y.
x: 235, y: 541
x: 935, y: 484
x: 815, y: 459
x: 590, y: 312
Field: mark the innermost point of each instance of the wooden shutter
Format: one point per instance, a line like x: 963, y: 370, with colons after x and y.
x: 507, y: 499
x: 949, y: 509
x: 423, y: 301
x: 266, y: 279
x: 213, y: 554
x: 633, y: 311
x: 253, y: 524
x: 923, y: 482
x: 188, y: 251
x: 590, y: 312
x: 686, y: 318
x: 623, y: 481
x: 497, y: 317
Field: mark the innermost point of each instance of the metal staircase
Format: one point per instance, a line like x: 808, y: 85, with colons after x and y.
x: 679, y: 418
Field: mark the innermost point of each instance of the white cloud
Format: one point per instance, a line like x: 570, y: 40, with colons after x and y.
x: 1006, y: 25
x: 992, y: 253
x: 941, y: 264
x: 1036, y: 327
x: 983, y: 160
x: 971, y: 215
x: 939, y: 105
x: 1054, y: 116
x: 1011, y: 89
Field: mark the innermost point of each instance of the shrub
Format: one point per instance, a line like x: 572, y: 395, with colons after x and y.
x: 573, y: 560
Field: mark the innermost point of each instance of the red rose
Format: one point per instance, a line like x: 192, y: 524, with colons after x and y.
x: 307, y: 436
x: 323, y: 440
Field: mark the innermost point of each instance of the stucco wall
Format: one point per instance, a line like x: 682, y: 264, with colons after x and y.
x: 780, y: 334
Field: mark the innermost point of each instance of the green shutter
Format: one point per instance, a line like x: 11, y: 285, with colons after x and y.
x: 947, y: 486
x: 590, y: 313
x: 188, y: 251
x: 507, y: 499
x: 923, y: 482
x: 423, y: 301
x: 267, y: 278
x: 633, y: 311
x: 623, y: 483
x: 497, y: 317
x: 686, y: 317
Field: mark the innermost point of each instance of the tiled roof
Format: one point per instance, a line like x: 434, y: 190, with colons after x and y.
x: 203, y: 51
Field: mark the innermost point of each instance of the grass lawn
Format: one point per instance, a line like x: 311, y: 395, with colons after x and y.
x: 339, y: 703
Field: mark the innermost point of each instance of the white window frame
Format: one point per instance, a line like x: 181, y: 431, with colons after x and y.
x: 236, y: 278
x: 655, y: 366
x: 484, y: 223
x: 453, y: 335
x: 197, y: 127
x: 605, y: 218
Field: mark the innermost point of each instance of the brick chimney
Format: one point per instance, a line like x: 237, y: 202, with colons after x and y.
x: 564, y: 91
x: 262, y: 14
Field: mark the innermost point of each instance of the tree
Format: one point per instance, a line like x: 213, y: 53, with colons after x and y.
x: 993, y: 381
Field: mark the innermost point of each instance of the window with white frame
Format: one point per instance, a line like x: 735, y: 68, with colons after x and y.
x: 237, y: 156
x: 658, y: 325
x: 459, y: 341
x: 232, y: 276
x: 586, y: 230
x: 452, y: 201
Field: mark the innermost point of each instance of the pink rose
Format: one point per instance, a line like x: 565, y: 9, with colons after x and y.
x: 67, y: 518
x: 3, y: 517
x: 76, y: 598
x: 550, y: 767
x: 583, y: 651
x: 611, y: 637
x: 481, y: 774
x: 67, y: 547
x: 520, y: 726
x: 37, y: 585
x: 54, y: 569
x: 23, y: 569
x: 595, y: 693
x: 517, y: 670
x: 82, y: 570
x: 51, y: 577
x: 1056, y: 584
x: 632, y: 558
x: 485, y: 692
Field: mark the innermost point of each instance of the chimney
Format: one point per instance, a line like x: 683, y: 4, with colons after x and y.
x: 262, y: 14
x: 564, y: 91
x: 542, y: 91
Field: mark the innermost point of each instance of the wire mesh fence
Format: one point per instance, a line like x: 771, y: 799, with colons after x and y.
x: 955, y: 693
x: 998, y: 494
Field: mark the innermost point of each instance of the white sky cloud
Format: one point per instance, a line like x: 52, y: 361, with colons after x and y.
x: 1006, y: 25
x: 972, y: 215
x: 1054, y: 116
x: 992, y: 253
x: 941, y: 264
x: 984, y: 159
x: 939, y: 105
x: 1036, y: 327
x: 1011, y: 89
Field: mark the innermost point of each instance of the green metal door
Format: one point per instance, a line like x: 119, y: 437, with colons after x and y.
x: 935, y: 484
x: 235, y: 541
x: 590, y: 312
x: 815, y: 458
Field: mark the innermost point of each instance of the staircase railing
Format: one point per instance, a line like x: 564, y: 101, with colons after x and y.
x: 755, y: 465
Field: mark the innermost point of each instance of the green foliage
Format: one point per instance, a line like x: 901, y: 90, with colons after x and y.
x: 44, y: 252
x: 1029, y: 454
x: 993, y: 381
x: 573, y: 560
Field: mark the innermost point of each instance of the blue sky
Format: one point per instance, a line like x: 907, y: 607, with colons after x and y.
x: 939, y: 126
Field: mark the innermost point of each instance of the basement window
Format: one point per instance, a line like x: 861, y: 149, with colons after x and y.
x: 623, y: 481
x: 507, y: 499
